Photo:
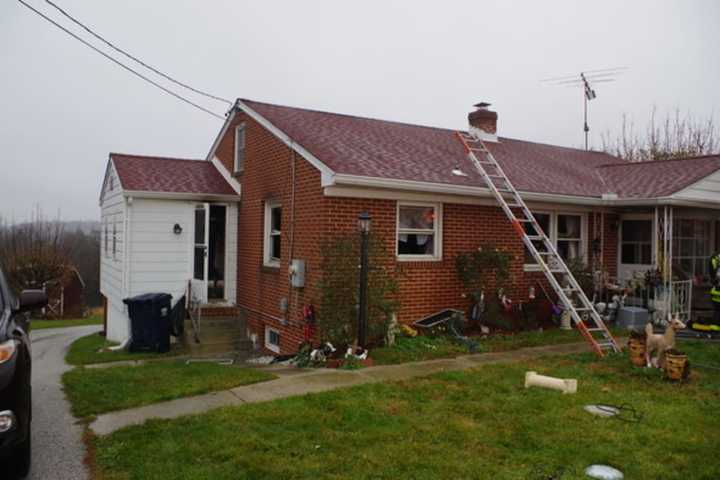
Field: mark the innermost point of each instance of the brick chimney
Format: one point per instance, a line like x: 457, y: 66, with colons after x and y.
x: 483, y: 118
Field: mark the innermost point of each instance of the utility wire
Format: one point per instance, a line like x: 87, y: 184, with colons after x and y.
x: 119, y: 63
x: 132, y: 57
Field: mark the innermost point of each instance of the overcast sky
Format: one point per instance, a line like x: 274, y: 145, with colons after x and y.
x: 64, y: 107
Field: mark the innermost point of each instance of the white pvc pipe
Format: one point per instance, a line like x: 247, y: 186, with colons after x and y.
x: 532, y: 379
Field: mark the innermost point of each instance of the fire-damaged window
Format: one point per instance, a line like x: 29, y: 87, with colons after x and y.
x: 239, y: 148
x: 418, y: 231
x: 273, y: 234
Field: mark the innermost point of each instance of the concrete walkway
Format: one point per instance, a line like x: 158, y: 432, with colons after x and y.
x: 293, y: 381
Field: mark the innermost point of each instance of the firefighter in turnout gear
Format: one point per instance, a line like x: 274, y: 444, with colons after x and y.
x: 715, y: 290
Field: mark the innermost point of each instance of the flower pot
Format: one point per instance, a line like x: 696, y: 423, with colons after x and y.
x: 637, y: 352
x: 676, y: 365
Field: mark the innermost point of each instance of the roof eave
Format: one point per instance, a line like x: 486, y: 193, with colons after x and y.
x: 222, y: 197
x: 444, y: 188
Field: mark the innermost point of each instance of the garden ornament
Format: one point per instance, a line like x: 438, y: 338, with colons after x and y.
x: 532, y: 379
x: 661, y: 342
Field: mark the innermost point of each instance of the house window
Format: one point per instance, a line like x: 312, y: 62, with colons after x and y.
x: 114, y: 241
x: 692, y: 241
x: 418, y: 231
x: 543, y: 219
x: 239, y: 148
x: 636, y: 242
x: 273, y: 234
x: 272, y: 339
x: 566, y: 231
x: 107, y: 237
x: 569, y: 236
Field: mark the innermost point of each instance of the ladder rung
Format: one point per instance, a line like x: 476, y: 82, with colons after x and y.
x: 597, y: 329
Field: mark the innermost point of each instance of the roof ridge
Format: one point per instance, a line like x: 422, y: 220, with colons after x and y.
x: 664, y: 160
x: 417, y: 125
x: 156, y: 157
x: 348, y: 115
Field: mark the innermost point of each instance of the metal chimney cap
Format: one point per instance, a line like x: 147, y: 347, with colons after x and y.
x: 482, y: 105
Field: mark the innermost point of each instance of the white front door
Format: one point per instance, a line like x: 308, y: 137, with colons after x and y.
x: 635, y: 247
x: 201, y: 239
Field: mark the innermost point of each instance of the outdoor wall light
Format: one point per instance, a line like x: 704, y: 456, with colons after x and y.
x: 177, y: 229
x: 364, y: 221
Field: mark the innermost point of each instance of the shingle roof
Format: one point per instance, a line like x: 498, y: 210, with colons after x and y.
x: 392, y: 150
x: 658, y: 178
x: 169, y: 175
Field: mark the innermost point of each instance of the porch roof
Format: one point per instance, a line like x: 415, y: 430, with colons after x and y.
x: 659, y: 178
x: 143, y: 173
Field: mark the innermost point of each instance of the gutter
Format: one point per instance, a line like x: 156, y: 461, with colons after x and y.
x: 607, y: 200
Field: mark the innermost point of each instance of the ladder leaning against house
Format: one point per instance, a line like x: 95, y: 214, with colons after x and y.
x: 582, y: 311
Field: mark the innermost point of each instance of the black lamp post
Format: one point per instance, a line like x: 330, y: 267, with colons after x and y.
x: 364, y: 222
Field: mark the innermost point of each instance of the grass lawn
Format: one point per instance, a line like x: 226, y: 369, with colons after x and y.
x: 74, y: 322
x: 86, y: 350
x: 460, y: 425
x: 408, y: 349
x: 98, y: 390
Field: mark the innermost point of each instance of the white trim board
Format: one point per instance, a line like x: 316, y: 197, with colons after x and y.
x: 226, y: 175
x: 196, y: 197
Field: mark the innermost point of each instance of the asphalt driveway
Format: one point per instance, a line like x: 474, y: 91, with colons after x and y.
x: 58, y: 450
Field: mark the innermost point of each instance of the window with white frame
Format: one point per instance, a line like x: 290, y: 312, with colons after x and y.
x: 273, y: 234
x: 239, y: 148
x: 566, y: 231
x: 272, y: 339
x: 636, y: 242
x: 418, y: 231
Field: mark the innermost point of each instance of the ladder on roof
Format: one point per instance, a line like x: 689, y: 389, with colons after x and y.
x: 583, y: 313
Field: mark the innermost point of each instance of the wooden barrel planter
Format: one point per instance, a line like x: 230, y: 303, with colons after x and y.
x: 676, y: 365
x: 637, y: 348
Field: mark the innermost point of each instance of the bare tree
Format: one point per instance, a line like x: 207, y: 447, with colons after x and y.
x: 34, y: 252
x: 674, y: 136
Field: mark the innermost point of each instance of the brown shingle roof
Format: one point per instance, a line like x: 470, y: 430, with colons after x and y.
x: 392, y: 150
x: 169, y: 175
x: 658, y: 178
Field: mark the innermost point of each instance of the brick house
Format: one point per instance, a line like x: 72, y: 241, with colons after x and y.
x: 278, y: 180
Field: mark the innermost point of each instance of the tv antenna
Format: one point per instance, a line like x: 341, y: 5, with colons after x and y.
x: 586, y: 80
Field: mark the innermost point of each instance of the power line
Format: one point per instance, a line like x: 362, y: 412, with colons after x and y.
x: 119, y: 63
x: 132, y: 57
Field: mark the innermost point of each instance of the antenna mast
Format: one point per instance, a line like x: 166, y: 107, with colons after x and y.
x: 586, y: 78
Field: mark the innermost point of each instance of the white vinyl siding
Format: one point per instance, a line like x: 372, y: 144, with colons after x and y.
x: 160, y: 260
x: 112, y: 268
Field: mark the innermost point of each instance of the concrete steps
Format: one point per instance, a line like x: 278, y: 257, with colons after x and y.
x: 218, y: 335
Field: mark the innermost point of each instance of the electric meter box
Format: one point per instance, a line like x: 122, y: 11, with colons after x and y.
x: 297, y: 273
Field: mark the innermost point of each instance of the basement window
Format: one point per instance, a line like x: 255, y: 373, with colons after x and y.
x: 272, y: 339
x: 418, y: 231
x: 239, y: 148
x: 272, y: 244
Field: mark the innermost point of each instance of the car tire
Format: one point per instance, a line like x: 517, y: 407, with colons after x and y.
x: 22, y: 457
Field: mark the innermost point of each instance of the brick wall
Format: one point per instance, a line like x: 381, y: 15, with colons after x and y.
x: 268, y: 176
x: 425, y: 287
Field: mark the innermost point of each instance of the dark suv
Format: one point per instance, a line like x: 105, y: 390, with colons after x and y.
x: 15, y: 404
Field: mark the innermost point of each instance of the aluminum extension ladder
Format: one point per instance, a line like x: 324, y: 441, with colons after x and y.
x: 583, y: 313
